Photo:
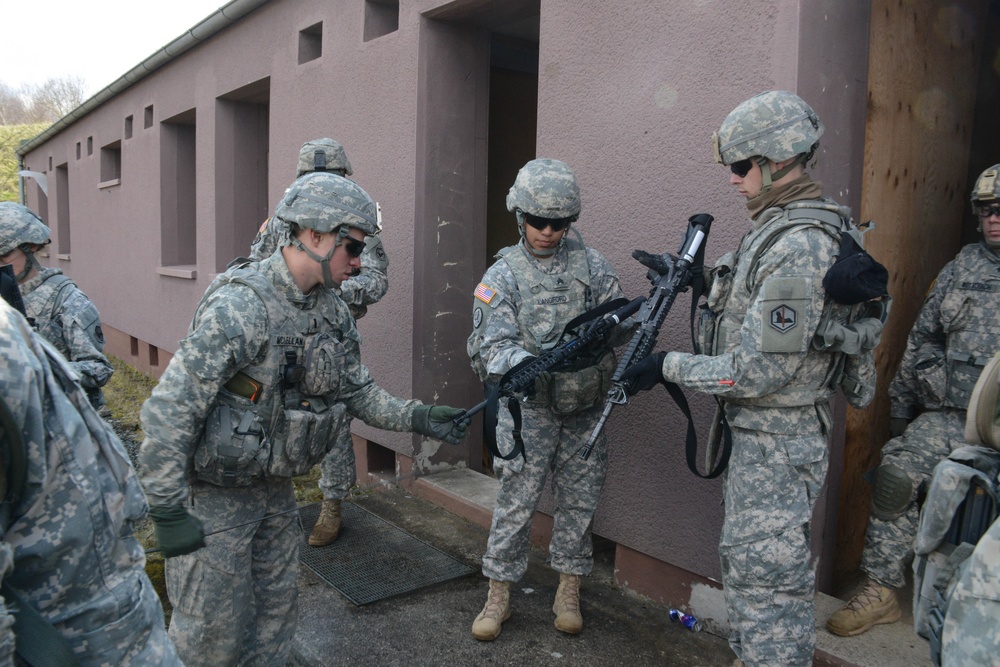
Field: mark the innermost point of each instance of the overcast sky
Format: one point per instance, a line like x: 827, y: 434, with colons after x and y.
x: 98, y: 40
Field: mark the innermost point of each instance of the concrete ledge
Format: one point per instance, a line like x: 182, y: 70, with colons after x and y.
x: 466, y: 493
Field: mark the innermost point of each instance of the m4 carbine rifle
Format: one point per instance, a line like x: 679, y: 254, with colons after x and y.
x: 602, y: 321
x: 670, y: 276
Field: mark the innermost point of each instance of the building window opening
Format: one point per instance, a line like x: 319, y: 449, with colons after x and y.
x: 311, y: 43
x: 381, y: 18
x: 111, y: 164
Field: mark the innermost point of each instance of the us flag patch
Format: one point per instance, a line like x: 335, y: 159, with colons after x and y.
x: 485, y: 294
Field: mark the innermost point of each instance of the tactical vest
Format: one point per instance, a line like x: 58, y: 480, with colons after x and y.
x: 848, y: 332
x: 970, y: 317
x: 277, y: 416
x: 47, y: 300
x: 548, y: 303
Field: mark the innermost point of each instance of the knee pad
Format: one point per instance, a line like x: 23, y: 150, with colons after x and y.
x: 893, y: 492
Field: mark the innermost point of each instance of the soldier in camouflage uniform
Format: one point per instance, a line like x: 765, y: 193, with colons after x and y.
x: 764, y: 314
x: 66, y: 543
x: 520, y: 309
x: 956, y: 333
x: 62, y: 313
x: 266, y: 376
x: 365, y: 287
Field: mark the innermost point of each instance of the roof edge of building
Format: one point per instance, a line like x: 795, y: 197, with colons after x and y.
x: 221, y: 18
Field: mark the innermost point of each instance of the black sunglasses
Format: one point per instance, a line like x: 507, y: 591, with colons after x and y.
x: 742, y: 167
x: 354, y: 247
x: 557, y: 224
x: 986, y: 212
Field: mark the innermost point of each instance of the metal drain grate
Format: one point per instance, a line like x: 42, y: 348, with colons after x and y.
x: 373, y: 559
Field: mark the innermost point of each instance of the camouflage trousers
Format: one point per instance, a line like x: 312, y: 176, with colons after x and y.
x: 552, y: 444
x: 135, y: 636
x: 970, y: 637
x: 928, y: 440
x: 236, y: 599
x: 770, y: 595
x: 338, y: 472
x: 768, y: 572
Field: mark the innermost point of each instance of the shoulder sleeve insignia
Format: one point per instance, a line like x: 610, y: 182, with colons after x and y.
x: 485, y: 294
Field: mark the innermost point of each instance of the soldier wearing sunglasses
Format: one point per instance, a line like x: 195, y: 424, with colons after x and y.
x: 764, y: 309
x: 519, y: 310
x: 269, y: 373
x: 956, y: 332
x: 367, y: 286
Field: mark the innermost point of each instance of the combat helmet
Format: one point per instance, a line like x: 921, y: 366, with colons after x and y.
x: 323, y: 155
x: 21, y: 228
x: 986, y: 191
x: 776, y: 125
x: 544, y: 188
x: 328, y: 203
x: 325, y: 202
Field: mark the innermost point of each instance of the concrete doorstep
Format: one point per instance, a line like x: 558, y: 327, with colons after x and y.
x: 432, y: 626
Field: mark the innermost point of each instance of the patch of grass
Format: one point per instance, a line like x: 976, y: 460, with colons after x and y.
x: 307, y: 486
x: 125, y: 393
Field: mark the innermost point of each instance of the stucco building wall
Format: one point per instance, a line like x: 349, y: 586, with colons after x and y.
x: 628, y: 93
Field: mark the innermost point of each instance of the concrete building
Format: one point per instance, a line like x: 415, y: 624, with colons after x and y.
x: 161, y: 179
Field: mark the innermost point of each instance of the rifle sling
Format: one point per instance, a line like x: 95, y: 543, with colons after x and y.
x: 691, y: 446
x: 491, y: 419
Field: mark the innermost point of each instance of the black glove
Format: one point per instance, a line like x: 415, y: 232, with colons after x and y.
x: 437, y: 421
x: 661, y: 264
x: 540, y: 384
x: 177, y: 532
x: 647, y: 373
x: 897, y: 426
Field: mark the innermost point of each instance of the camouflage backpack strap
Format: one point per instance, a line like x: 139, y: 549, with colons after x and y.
x: 61, y: 291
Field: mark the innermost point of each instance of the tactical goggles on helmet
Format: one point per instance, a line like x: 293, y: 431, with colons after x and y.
x: 741, y: 167
x: 985, y: 212
x: 557, y: 224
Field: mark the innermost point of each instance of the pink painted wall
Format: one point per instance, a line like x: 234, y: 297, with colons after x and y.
x: 629, y: 93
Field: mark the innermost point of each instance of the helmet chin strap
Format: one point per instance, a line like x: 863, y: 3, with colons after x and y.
x: 324, y: 262
x: 30, y: 263
x: 768, y: 178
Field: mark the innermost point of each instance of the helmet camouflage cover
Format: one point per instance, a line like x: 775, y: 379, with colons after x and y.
x: 325, y: 201
x: 323, y: 155
x: 545, y: 188
x: 987, y: 187
x: 19, y: 225
x: 777, y: 125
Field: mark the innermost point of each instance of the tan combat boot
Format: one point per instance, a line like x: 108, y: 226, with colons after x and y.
x: 567, y: 605
x: 486, y: 627
x: 874, y: 605
x: 327, y: 527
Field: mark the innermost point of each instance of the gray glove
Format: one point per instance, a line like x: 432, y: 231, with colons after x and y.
x: 897, y: 426
x: 437, y: 421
